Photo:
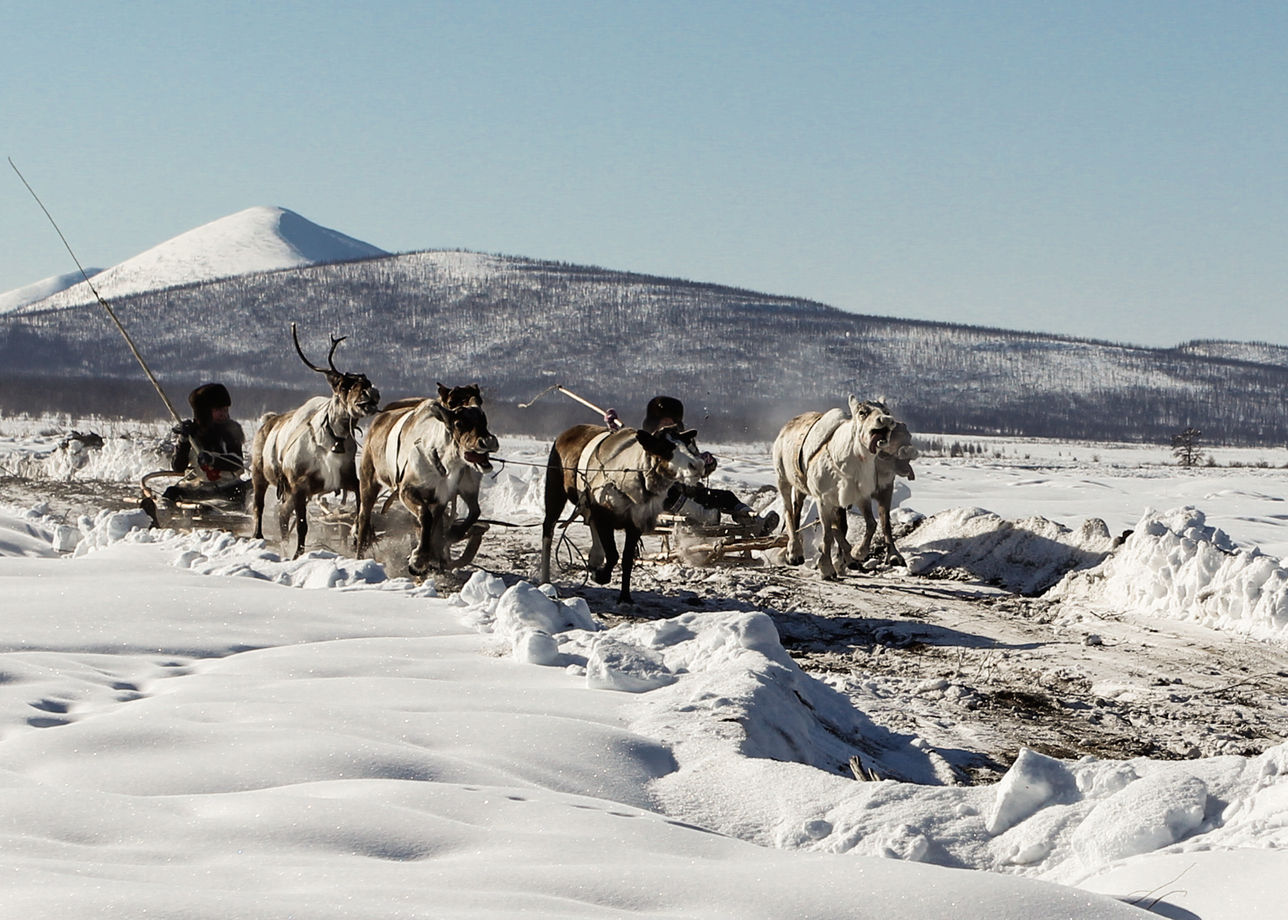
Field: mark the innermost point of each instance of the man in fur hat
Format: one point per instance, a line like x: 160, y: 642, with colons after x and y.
x: 217, y: 469
x: 697, y: 503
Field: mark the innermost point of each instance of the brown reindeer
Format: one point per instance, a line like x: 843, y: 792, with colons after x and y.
x: 311, y: 450
x: 427, y: 453
x: 618, y: 481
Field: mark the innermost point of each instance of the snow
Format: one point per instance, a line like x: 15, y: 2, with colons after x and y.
x: 20, y: 297
x: 1176, y: 565
x: 192, y: 725
x: 1033, y: 783
x: 258, y: 239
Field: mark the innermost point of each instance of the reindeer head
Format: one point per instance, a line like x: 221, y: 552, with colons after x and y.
x: 460, y: 397
x: 676, y: 452
x: 468, y: 428
x: 873, y: 423
x: 899, y: 445
x: 354, y: 391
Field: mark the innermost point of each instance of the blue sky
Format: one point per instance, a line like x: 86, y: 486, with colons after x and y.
x: 1115, y: 170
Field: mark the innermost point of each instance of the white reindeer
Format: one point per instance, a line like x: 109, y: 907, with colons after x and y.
x: 831, y: 458
x: 312, y: 449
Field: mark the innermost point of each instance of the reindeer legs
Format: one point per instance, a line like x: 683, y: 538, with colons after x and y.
x: 827, y: 516
x: 603, y: 551
x: 300, y: 501
x: 846, y: 557
x: 793, y: 505
x: 260, y: 486
x: 629, y: 546
x: 418, y: 561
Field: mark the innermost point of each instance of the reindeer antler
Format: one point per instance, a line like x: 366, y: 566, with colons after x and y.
x: 335, y: 342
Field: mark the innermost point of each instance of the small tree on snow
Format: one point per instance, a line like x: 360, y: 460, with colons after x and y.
x: 1186, y: 447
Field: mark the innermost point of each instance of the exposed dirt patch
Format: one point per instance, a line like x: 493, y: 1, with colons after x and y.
x: 976, y: 672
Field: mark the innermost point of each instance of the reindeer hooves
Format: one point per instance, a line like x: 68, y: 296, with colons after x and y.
x: 601, y: 576
x: 796, y: 560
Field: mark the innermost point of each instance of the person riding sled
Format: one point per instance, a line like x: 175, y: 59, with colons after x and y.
x: 216, y: 469
x: 697, y: 503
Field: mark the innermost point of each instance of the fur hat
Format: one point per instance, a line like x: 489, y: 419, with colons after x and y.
x: 660, y: 407
x: 206, y: 398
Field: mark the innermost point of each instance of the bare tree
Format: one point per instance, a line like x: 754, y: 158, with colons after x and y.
x: 1186, y: 447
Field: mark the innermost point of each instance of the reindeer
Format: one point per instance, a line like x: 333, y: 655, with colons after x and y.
x: 892, y: 461
x: 312, y: 449
x: 618, y: 480
x: 428, y: 452
x: 832, y: 458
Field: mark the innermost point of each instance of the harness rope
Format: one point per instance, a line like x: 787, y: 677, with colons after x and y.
x: 822, y: 445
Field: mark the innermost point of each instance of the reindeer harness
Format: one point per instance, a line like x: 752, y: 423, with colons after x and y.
x: 616, y: 489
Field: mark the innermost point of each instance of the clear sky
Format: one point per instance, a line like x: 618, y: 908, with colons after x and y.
x: 1116, y: 170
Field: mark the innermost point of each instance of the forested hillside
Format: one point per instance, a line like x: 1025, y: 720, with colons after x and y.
x: 743, y: 362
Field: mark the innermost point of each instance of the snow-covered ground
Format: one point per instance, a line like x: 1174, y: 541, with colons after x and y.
x: 192, y: 725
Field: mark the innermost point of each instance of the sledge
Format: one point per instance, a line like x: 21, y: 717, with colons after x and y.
x: 694, y: 543
x: 190, y: 495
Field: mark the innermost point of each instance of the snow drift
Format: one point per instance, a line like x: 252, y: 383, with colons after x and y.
x: 1175, y: 565
x: 233, y: 747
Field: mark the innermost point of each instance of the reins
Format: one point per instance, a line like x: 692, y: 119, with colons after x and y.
x: 503, y: 462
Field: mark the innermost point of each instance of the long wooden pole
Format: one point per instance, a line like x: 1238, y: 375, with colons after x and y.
x: 106, y: 306
x: 566, y: 392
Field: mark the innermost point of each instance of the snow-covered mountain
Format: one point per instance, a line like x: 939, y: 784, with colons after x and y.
x: 258, y: 239
x: 745, y: 361
x: 1252, y: 352
x: 47, y: 287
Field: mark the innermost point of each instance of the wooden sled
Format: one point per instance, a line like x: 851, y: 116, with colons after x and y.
x: 215, y: 504
x: 697, y: 544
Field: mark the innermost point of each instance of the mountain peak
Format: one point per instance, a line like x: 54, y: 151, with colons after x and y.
x: 257, y: 239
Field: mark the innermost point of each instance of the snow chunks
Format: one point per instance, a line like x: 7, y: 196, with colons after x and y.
x: 1149, y: 814
x: 1033, y: 782
x: 525, y: 615
x: 1176, y: 566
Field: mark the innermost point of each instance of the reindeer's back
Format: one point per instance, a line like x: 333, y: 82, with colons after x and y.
x: 376, y: 448
x: 789, y: 443
x: 268, y: 423
x: 567, y: 451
